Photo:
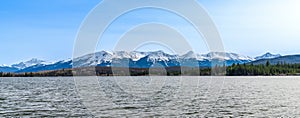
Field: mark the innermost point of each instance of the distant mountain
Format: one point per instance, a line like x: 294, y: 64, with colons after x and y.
x: 22, y: 65
x: 268, y: 56
x: 29, y: 63
x: 137, y: 59
x: 4, y: 68
x: 290, y: 59
x: 45, y: 67
x: 157, y: 58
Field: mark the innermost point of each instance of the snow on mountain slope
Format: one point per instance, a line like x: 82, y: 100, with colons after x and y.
x: 160, y: 56
x: 29, y: 63
x: 193, y: 55
x: 54, y: 66
x: 93, y: 59
x: 4, y: 65
x: 135, y: 56
x: 268, y: 56
x: 23, y: 65
x: 105, y: 58
x: 133, y: 59
x: 226, y: 56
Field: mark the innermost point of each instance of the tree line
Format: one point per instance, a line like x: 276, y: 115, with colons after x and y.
x: 63, y: 72
x: 263, y: 69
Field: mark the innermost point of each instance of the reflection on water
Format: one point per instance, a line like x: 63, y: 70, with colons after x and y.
x: 155, y: 96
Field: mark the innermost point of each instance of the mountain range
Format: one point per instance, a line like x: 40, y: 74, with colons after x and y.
x: 146, y: 60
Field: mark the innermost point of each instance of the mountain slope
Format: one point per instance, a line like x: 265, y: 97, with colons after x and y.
x: 22, y: 65
x: 8, y: 69
x: 143, y: 60
x: 150, y: 59
x: 29, y: 63
x: 290, y: 59
x: 42, y: 67
x: 268, y: 56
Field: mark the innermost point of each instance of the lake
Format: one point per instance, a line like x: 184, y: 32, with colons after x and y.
x: 155, y: 96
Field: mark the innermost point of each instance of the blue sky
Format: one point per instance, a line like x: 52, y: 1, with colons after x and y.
x: 47, y: 29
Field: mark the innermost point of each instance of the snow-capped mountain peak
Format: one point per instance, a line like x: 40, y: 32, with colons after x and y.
x: 4, y: 65
x: 29, y: 63
x: 268, y: 55
x: 104, y: 58
x: 160, y: 56
x: 226, y: 56
x: 135, y: 56
x: 193, y: 55
x: 134, y: 59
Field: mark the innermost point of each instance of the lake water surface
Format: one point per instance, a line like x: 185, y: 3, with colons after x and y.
x: 150, y: 97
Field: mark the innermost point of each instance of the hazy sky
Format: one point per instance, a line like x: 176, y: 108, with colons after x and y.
x: 47, y: 29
